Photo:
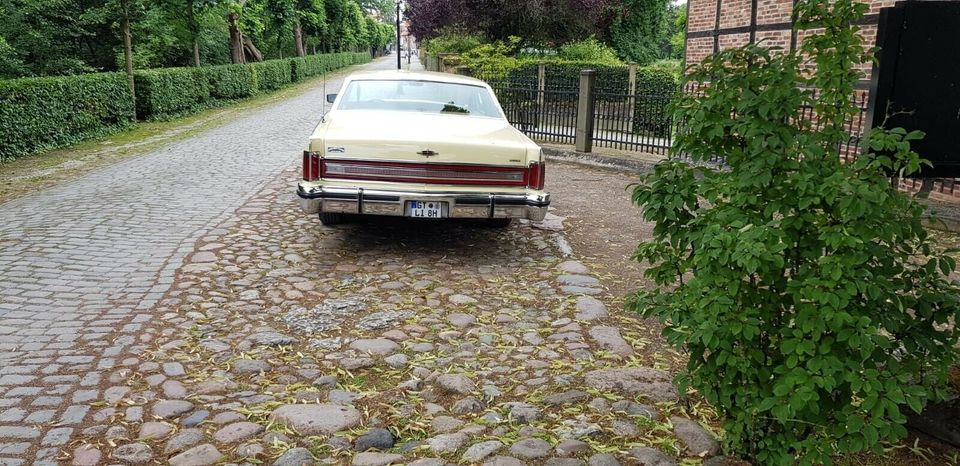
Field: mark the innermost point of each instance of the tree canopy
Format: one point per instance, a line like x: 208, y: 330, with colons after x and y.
x: 56, y: 37
x: 639, y: 30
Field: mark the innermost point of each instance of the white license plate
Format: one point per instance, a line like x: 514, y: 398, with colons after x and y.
x: 426, y: 209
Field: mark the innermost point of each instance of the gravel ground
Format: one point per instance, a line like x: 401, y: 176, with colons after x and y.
x: 392, y: 341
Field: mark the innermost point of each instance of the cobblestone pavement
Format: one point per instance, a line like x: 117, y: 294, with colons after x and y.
x: 389, y: 341
x: 83, y: 265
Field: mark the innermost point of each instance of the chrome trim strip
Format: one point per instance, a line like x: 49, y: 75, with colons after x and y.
x: 530, y: 199
x: 421, y: 162
x: 352, y: 200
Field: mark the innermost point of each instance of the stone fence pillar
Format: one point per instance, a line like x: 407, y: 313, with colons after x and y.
x: 584, y: 135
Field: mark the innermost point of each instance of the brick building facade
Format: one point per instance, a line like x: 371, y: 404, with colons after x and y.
x: 714, y: 25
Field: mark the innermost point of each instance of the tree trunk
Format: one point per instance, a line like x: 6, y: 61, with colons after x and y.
x: 128, y: 52
x: 195, y: 32
x: 236, y: 41
x: 298, y: 37
x: 251, y: 50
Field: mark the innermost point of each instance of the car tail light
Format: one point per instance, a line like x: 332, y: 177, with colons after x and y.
x: 311, y: 166
x: 537, y: 174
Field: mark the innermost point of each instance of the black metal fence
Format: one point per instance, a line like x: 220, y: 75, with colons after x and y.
x: 623, y: 120
x: 638, y: 121
x: 548, y: 112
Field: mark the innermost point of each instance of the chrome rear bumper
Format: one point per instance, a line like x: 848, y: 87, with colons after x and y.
x: 531, y: 205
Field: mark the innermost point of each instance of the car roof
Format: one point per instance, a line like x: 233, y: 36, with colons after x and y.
x: 408, y: 75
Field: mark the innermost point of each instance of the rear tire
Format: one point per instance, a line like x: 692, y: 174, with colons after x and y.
x: 499, y: 222
x: 331, y: 218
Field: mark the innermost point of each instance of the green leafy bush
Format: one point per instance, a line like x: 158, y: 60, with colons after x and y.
x: 230, y: 81
x: 11, y: 65
x: 43, y: 113
x: 168, y: 92
x: 589, y: 50
x: 271, y: 74
x: 814, y: 306
x: 452, y: 41
x: 670, y: 65
x: 492, y: 61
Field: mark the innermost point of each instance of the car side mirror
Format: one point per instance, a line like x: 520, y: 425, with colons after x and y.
x: 331, y: 98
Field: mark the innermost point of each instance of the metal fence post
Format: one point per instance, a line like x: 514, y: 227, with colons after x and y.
x: 584, y: 135
x: 632, y: 92
x: 541, y: 93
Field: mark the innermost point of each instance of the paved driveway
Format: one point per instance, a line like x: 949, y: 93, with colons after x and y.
x: 82, y: 265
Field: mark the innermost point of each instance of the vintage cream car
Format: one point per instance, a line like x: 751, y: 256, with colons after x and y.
x: 422, y: 145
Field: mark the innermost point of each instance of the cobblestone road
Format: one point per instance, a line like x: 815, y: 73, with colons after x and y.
x: 83, y: 265
x: 213, y: 322
x: 389, y: 341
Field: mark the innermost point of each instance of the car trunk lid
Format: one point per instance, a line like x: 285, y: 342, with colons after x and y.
x: 419, y: 138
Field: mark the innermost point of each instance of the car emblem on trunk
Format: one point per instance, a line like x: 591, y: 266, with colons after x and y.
x: 336, y: 150
x: 428, y: 153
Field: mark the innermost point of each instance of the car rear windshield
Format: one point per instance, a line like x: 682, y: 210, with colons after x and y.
x: 419, y: 96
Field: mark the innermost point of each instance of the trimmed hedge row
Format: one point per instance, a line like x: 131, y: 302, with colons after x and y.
x: 312, y: 65
x: 44, y: 113
x: 170, y: 91
x: 609, y: 78
x: 225, y: 82
x: 272, y: 74
x: 230, y: 82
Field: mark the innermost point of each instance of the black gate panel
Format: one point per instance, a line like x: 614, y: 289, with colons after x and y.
x: 916, y: 84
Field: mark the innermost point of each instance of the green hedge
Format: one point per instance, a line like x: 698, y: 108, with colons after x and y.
x: 656, y: 88
x: 312, y: 65
x: 167, y: 92
x: 43, y: 113
x: 271, y: 75
x: 230, y: 81
x: 609, y: 78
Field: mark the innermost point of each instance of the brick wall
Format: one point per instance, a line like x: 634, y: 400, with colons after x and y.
x: 769, y: 20
x: 739, y: 22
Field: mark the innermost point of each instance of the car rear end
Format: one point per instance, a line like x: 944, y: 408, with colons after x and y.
x: 379, y: 157
x: 422, y: 190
